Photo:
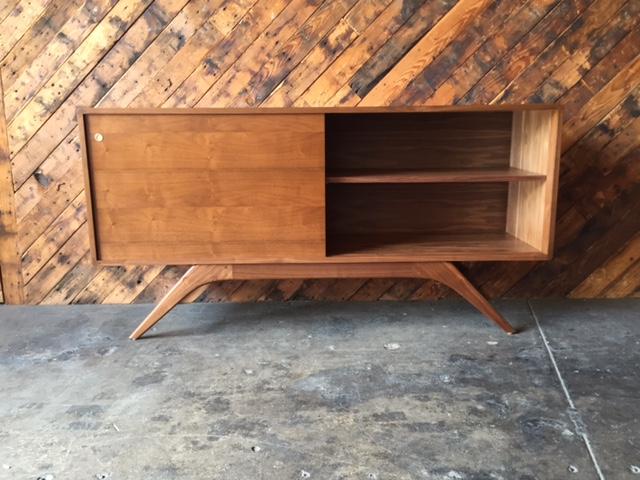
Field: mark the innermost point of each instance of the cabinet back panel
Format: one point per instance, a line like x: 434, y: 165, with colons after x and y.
x: 418, y: 140
x: 455, y: 208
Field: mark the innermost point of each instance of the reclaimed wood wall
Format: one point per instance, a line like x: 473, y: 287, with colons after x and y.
x: 60, y: 54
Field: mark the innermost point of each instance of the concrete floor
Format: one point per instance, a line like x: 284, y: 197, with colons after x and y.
x: 309, y: 390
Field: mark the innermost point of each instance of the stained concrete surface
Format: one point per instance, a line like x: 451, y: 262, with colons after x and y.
x: 597, y: 349
x: 308, y: 390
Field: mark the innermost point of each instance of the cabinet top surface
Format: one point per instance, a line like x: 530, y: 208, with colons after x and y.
x: 321, y: 110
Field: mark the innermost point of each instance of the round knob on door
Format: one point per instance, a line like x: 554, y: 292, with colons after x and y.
x: 98, y: 137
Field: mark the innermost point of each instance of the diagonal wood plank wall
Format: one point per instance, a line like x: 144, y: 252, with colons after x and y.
x: 60, y: 54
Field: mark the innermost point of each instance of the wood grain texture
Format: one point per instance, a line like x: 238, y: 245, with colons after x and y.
x: 11, y: 284
x: 198, y: 275
x: 581, y: 54
x: 427, y: 141
x: 534, y: 147
x: 187, y: 189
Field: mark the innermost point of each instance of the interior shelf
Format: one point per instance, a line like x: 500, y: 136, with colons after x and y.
x: 464, y: 175
x: 408, y: 247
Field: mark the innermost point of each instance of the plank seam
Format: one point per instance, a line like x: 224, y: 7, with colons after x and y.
x: 245, y: 50
x: 400, y: 25
x: 44, y: 294
x: 320, y: 39
x: 10, y: 264
x: 574, y: 414
x: 556, y: 40
x: 63, y: 62
x: 44, y: 9
x: 177, y: 86
x: 35, y: 274
x: 605, y: 114
x: 64, y: 137
x: 499, y: 58
x: 358, y: 35
x: 79, y: 82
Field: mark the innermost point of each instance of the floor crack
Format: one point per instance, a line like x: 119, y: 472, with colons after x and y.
x: 574, y: 414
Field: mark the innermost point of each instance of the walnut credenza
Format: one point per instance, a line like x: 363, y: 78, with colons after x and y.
x: 319, y: 193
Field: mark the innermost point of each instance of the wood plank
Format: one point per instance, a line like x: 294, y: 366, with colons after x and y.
x: 47, y: 244
x: 466, y: 45
x: 506, y: 69
x: 79, y: 26
x: 73, y: 282
x: 619, y: 222
x: 52, y: 203
x: 36, y: 39
x: 284, y: 59
x: 601, y: 103
x: 598, y: 76
x: 607, y: 183
x: 18, y: 21
x: 582, y: 155
x: 235, y: 80
x: 419, y: 21
x: 57, y: 267
x: 222, y: 56
x: 424, y: 52
x: 558, y: 62
x: 171, y: 40
x: 129, y: 286
x: 627, y: 284
x: 346, y: 65
x: 605, y: 276
x: 6, y: 8
x: 10, y: 266
x: 167, y: 79
x: 73, y: 70
x: 325, y: 52
x: 124, y: 55
x: 430, y: 89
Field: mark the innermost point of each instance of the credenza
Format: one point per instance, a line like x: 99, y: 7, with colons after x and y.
x: 320, y: 192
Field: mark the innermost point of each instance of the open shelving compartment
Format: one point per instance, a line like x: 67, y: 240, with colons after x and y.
x: 441, y: 185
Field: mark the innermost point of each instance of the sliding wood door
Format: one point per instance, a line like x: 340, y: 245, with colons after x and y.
x: 205, y: 188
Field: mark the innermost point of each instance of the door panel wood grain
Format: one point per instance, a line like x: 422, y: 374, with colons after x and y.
x: 184, y: 189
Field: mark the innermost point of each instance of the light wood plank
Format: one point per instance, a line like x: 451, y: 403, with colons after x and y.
x: 424, y: 52
x: 10, y: 266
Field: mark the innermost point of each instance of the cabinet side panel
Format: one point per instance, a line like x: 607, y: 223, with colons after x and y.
x: 531, y: 204
x: 185, y: 189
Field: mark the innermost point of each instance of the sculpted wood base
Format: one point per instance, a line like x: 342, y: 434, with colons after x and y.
x: 199, y: 275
